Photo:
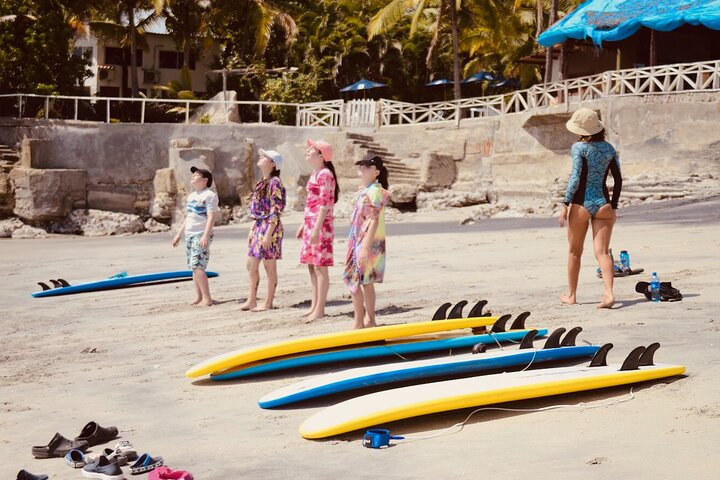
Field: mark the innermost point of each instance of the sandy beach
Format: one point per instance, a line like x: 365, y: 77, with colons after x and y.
x: 119, y: 357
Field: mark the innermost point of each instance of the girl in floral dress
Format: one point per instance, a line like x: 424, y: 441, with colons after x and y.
x: 317, y: 231
x: 365, y: 261
x: 266, y: 234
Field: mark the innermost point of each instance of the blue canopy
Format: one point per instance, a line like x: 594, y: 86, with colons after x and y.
x: 613, y: 20
x: 362, y: 84
x: 479, y: 77
x: 442, y: 81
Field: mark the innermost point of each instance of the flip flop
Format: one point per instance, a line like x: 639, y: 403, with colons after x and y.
x: 165, y: 473
x: 59, y: 446
x: 145, y: 463
x: 25, y: 475
x: 75, y: 458
x: 94, y: 434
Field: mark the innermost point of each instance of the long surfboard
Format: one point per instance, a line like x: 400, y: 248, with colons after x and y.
x: 121, y: 282
x: 391, y: 348
x: 357, y: 378
x: 407, y: 402
x: 330, y: 340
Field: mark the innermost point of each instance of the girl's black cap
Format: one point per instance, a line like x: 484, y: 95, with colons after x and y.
x: 371, y: 160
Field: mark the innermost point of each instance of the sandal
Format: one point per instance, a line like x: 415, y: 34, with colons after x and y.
x: 59, y: 446
x: 25, y: 475
x: 123, y: 453
x: 165, y: 473
x: 75, y: 458
x: 146, y: 463
x: 94, y: 434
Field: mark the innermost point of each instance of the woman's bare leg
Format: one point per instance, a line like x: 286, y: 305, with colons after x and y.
x: 323, y: 285
x: 578, y: 218
x: 359, y: 307
x: 369, y: 293
x: 314, y: 285
x: 253, y: 268
x: 602, y: 226
x: 271, y: 271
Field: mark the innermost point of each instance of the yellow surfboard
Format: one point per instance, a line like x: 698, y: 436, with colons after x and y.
x: 407, y: 402
x: 330, y: 340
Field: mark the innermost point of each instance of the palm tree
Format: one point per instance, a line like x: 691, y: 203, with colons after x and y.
x: 395, y: 10
x: 186, y: 20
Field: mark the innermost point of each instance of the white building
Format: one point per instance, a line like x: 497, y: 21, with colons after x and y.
x: 156, y: 66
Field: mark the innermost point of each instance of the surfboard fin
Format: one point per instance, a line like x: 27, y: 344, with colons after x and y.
x: 476, y: 310
x: 600, y: 358
x: 570, y: 337
x: 55, y: 283
x: 441, y: 312
x: 553, y: 340
x: 527, y: 341
x: 478, y: 348
x: 647, y: 358
x: 63, y: 282
x: 456, y: 311
x: 519, y: 322
x: 499, y: 325
x: 632, y: 362
x: 44, y: 286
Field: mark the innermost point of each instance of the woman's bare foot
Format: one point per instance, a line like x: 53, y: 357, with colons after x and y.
x: 568, y: 299
x: 358, y: 326
x: 370, y: 324
x: 607, y: 302
x: 196, y: 301
x: 315, y: 316
x: 206, y: 303
x: 309, y: 312
x: 262, y: 308
x: 248, y: 305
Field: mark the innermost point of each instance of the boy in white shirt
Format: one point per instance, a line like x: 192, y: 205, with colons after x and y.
x: 202, y: 207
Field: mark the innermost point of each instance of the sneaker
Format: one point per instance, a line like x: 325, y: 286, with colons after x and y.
x: 103, y: 469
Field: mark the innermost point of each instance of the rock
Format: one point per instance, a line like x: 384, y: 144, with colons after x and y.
x: 35, y: 153
x: 153, y: 226
x: 449, y: 199
x: 240, y: 214
x: 165, y: 197
x: 26, y: 231
x: 46, y: 195
x: 97, y: 223
x: 7, y: 227
x: 402, y: 193
x: 216, y: 112
x: 181, y: 142
x: 437, y: 171
x: 298, y: 203
x: 7, y: 196
x: 224, y: 216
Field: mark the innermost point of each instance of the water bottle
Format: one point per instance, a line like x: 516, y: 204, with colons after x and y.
x: 625, y: 260
x: 655, y: 287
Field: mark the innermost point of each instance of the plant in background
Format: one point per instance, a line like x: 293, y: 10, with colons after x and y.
x: 298, y: 88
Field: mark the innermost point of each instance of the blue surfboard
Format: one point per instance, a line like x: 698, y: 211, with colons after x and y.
x: 386, y: 374
x: 388, y: 350
x: 120, y: 282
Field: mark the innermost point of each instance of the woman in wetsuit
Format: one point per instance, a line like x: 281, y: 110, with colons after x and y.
x: 589, y: 201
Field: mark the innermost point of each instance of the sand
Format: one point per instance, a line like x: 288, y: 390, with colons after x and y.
x: 119, y: 357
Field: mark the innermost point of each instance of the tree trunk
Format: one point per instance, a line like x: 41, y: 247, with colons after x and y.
x: 456, y: 48
x: 539, y: 21
x: 430, y: 58
x: 133, y: 52
x: 549, y: 50
x: 186, y: 38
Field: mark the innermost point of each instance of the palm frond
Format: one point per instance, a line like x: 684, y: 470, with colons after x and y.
x: 387, y: 17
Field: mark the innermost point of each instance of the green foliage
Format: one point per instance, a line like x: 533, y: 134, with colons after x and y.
x: 298, y: 88
x: 36, y: 45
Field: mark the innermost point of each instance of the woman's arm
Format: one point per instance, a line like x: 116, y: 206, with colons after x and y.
x: 617, y: 182
x: 365, y: 248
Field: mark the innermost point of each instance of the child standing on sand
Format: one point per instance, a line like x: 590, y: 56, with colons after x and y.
x: 266, y: 234
x: 202, y: 206
x: 317, y: 231
x: 365, y: 261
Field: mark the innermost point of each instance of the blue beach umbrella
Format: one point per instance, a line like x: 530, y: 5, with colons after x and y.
x: 362, y: 84
x: 435, y: 83
x: 480, y: 77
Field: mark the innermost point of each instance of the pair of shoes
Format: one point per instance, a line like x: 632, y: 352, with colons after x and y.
x: 146, y: 463
x: 103, y: 469
x: 165, y: 473
x: 123, y: 453
x: 667, y: 292
x: 25, y: 475
x: 59, y: 446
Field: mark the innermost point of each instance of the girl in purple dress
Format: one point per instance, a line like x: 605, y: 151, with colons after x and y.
x: 266, y: 234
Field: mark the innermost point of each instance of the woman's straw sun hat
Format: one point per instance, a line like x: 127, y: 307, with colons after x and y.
x: 585, y: 122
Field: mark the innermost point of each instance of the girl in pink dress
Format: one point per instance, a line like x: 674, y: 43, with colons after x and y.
x: 317, y: 232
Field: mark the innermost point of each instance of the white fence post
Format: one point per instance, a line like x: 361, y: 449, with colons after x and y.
x: 107, y: 115
x: 142, y: 111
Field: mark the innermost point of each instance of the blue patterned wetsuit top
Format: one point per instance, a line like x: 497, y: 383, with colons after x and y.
x: 592, y: 161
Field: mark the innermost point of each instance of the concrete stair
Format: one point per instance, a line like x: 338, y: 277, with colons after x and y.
x: 9, y: 158
x: 398, y: 171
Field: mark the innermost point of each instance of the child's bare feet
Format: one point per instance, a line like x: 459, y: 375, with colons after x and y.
x: 607, y: 302
x: 309, y: 312
x: 568, y: 299
x: 358, y: 326
x: 370, y: 323
x: 315, y: 316
x: 248, y: 305
x: 196, y: 301
x: 206, y: 303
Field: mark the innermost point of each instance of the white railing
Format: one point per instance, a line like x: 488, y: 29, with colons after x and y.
x: 664, y: 79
